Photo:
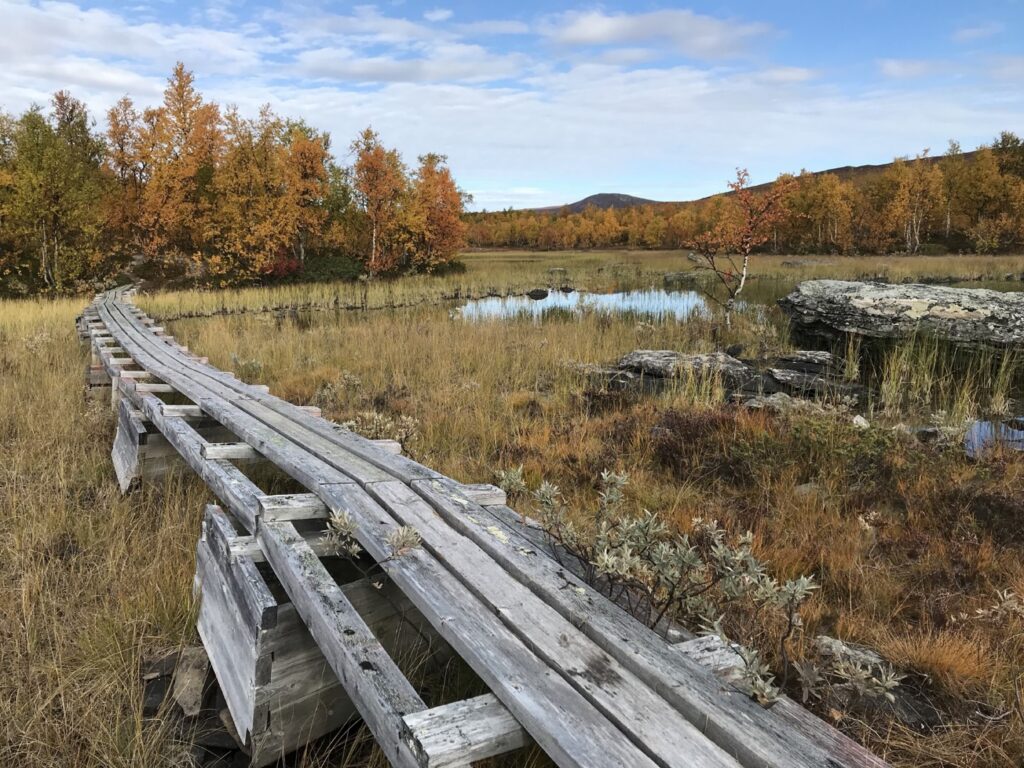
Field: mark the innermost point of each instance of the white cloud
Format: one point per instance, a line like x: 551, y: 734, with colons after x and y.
x: 627, y: 56
x: 693, y: 34
x: 786, y: 75
x: 494, y: 27
x: 519, y: 130
x: 56, y: 28
x: 971, y: 34
x: 442, y: 62
x: 364, y: 26
x: 438, y: 14
x: 909, y: 68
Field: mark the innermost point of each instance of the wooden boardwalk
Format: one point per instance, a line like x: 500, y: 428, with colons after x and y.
x: 299, y: 643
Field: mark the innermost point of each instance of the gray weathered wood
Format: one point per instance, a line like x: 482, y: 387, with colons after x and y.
x: 374, y: 684
x: 463, y: 732
x: 296, y: 506
x: 229, y: 451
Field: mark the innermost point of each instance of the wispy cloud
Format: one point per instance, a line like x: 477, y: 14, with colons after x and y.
x: 971, y: 34
x: 438, y: 14
x: 451, y: 62
x: 1009, y: 68
x: 693, y: 34
x: 903, y: 69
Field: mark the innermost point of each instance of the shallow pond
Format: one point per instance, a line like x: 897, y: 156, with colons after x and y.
x: 983, y: 435
x: 654, y: 303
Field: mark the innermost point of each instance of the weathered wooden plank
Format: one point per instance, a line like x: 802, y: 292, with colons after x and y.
x: 229, y: 451
x: 622, y: 697
x: 776, y: 737
x: 246, y: 583
x: 388, y: 446
x: 396, y: 465
x: 484, y: 494
x: 183, y: 411
x: 375, y: 685
x: 232, y: 649
x: 463, y: 732
x: 247, y: 546
x: 236, y: 491
x: 150, y: 387
x: 537, y: 696
x: 295, y: 506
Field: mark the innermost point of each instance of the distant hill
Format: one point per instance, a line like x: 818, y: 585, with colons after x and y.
x: 605, y: 200
x: 602, y: 200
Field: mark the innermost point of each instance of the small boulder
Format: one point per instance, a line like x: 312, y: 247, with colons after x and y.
x: 668, y: 364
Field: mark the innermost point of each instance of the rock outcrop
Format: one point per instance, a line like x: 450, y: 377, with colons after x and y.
x: 976, y: 317
x: 809, y: 375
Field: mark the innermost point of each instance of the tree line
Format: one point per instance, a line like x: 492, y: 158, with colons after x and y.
x: 190, y: 192
x: 958, y: 202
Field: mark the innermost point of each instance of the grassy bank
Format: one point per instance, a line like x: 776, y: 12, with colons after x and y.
x: 515, y: 272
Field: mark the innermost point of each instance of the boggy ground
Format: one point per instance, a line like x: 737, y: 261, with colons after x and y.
x: 908, y: 540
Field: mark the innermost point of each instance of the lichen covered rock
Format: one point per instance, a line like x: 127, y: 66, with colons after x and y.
x: 976, y: 317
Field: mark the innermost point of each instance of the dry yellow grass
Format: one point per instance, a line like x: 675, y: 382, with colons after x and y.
x: 903, y: 542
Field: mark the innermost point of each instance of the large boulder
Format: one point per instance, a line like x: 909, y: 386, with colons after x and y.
x: 976, y: 317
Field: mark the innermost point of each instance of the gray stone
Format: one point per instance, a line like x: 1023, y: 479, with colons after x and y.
x: 190, y: 679
x: 860, y: 422
x: 974, y: 317
x: 777, y: 402
x: 667, y: 364
x: 833, y: 648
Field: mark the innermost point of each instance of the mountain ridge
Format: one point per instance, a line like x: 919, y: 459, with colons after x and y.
x: 618, y: 200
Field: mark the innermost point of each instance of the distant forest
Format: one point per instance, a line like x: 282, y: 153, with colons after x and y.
x: 189, y: 193
x: 958, y: 202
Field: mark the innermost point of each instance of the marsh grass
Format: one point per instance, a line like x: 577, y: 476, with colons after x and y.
x: 504, y: 273
x: 927, y: 378
x: 93, y: 582
x: 909, y: 542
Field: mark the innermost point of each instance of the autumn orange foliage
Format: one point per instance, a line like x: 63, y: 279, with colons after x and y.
x: 970, y: 202
x: 189, y: 192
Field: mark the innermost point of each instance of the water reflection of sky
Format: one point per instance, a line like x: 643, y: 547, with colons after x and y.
x: 653, y: 303
x: 983, y: 435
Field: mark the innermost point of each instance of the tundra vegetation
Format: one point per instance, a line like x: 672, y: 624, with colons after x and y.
x: 867, y: 535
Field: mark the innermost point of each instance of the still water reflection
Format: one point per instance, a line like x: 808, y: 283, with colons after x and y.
x: 653, y: 303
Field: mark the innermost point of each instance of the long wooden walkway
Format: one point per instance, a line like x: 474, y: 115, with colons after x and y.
x: 566, y: 668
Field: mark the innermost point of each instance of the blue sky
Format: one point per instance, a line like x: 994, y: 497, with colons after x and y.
x: 540, y: 104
